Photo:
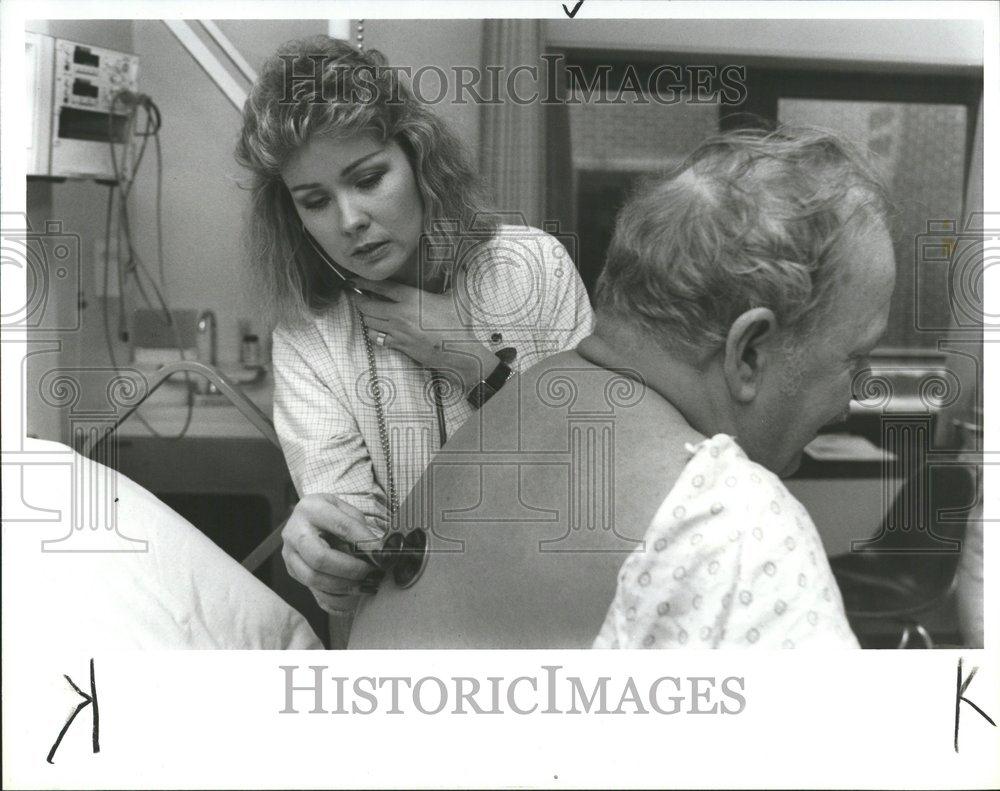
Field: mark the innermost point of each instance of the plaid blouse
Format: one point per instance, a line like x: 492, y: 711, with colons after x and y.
x: 520, y: 289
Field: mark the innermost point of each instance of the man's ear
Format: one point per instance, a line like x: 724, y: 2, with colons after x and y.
x: 746, y: 353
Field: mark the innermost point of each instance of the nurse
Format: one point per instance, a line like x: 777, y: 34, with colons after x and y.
x: 400, y: 306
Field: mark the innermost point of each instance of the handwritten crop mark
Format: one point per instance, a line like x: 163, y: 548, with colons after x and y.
x: 88, y: 700
x: 961, y: 685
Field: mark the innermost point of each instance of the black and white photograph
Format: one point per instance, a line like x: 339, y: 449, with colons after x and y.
x: 445, y: 360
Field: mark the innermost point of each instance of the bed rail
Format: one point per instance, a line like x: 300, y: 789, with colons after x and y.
x: 243, y: 405
x: 227, y: 388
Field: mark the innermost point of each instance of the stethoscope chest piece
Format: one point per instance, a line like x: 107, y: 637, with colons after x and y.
x: 412, y: 558
x: 388, y: 555
x: 404, y: 555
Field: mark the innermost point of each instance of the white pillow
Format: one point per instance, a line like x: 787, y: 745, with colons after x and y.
x: 182, y: 592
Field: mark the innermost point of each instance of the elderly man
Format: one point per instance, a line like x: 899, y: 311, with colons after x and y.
x: 627, y: 493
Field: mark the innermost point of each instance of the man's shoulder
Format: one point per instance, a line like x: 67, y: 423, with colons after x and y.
x: 533, y: 403
x: 565, y: 388
x: 566, y: 381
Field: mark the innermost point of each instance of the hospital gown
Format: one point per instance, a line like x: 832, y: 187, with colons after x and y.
x: 731, y: 560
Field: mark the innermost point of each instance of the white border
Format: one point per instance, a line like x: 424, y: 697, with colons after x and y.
x: 209, y: 719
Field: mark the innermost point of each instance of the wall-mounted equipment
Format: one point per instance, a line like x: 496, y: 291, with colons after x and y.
x: 71, y: 106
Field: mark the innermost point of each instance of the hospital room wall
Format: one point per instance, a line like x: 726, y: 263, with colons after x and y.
x: 418, y: 42
x: 79, y: 206
x: 203, y: 204
x: 203, y: 195
x: 931, y: 43
x: 202, y: 198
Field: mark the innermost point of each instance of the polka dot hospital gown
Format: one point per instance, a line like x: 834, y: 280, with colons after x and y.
x: 731, y: 560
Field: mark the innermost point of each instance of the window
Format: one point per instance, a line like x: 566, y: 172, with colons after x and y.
x: 919, y: 127
x: 613, y: 143
x: 921, y: 151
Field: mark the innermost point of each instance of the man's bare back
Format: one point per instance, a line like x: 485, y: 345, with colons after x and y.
x: 531, y: 509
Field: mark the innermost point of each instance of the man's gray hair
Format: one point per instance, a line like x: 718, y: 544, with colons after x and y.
x: 749, y: 219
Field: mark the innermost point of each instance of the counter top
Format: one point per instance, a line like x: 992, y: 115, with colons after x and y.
x: 212, y: 415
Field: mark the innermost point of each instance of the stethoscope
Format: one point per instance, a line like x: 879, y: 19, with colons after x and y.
x: 402, y: 555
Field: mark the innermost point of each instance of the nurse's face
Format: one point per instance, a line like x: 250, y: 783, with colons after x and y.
x: 359, y: 200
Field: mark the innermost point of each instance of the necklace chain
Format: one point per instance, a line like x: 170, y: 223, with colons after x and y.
x: 383, y: 431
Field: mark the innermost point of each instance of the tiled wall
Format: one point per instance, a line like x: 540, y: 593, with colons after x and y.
x: 922, y: 150
x: 615, y: 136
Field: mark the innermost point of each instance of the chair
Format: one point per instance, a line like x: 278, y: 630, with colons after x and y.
x: 909, y: 572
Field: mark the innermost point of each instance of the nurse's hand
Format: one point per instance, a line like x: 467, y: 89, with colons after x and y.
x: 427, y: 328
x: 335, y: 578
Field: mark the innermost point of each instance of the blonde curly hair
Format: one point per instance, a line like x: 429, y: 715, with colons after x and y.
x: 355, y: 93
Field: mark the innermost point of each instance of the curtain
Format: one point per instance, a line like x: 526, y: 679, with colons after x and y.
x: 560, y: 177
x: 513, y: 132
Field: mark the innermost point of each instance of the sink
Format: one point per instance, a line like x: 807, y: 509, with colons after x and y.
x: 212, y: 415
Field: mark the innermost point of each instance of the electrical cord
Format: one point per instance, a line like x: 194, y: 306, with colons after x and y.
x: 124, y: 180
